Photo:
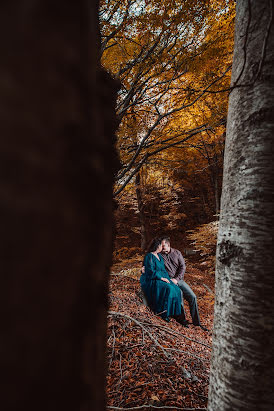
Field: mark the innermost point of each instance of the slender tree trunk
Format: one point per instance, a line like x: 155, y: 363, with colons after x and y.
x: 142, y: 217
x: 242, y: 371
x: 216, y: 174
x: 216, y: 195
x: 214, y: 187
x: 57, y: 164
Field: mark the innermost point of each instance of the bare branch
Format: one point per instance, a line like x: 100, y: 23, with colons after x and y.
x: 145, y: 158
x: 118, y: 314
x: 186, y: 373
x: 168, y: 330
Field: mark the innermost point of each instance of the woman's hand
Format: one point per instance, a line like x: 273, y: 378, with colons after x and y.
x: 165, y: 280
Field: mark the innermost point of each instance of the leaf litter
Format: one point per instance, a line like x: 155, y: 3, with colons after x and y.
x: 153, y: 364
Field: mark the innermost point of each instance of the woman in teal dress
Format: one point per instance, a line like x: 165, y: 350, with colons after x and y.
x: 163, y: 296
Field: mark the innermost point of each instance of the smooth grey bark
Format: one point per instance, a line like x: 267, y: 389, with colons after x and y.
x: 57, y: 162
x: 242, y: 370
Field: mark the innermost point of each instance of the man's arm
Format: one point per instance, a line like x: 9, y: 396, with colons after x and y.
x: 181, y: 267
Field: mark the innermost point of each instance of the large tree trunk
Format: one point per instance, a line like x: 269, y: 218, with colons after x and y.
x: 57, y: 165
x: 242, y: 371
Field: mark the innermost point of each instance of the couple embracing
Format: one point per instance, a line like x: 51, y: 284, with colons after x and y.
x: 163, y: 284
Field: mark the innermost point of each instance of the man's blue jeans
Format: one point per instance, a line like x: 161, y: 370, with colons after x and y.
x: 191, y: 298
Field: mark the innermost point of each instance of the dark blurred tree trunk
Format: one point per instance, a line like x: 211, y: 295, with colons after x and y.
x: 142, y: 217
x: 57, y: 164
x: 242, y: 371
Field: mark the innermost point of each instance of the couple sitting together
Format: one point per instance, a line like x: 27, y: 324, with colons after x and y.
x: 163, y: 284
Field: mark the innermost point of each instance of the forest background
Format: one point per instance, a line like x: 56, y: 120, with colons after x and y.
x: 173, y: 63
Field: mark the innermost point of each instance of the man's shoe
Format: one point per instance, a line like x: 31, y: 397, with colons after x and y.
x: 203, y: 328
x: 181, y: 320
x: 184, y: 323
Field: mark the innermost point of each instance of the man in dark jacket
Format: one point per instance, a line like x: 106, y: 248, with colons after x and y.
x: 175, y: 266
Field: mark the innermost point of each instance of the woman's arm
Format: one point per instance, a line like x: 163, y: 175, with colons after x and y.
x: 150, y: 269
x: 167, y: 278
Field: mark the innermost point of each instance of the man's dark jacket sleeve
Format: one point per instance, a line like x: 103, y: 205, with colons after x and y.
x: 181, y: 267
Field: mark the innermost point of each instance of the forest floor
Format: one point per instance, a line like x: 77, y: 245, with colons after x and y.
x: 153, y: 364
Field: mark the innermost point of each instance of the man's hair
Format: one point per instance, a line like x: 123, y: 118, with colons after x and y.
x: 154, y: 244
x: 165, y: 238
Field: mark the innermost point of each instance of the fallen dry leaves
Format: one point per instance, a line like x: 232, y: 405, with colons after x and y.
x: 153, y: 364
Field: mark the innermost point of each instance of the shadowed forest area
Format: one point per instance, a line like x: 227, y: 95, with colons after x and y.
x: 173, y: 61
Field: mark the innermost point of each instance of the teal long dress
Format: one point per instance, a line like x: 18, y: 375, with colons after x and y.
x: 163, y: 298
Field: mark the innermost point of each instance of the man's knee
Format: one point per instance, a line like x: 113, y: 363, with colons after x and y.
x: 194, y: 298
x: 188, y: 294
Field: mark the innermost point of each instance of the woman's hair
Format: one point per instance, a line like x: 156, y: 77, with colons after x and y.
x: 154, y: 244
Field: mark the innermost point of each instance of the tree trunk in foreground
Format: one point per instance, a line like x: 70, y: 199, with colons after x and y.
x: 57, y: 165
x: 242, y: 370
